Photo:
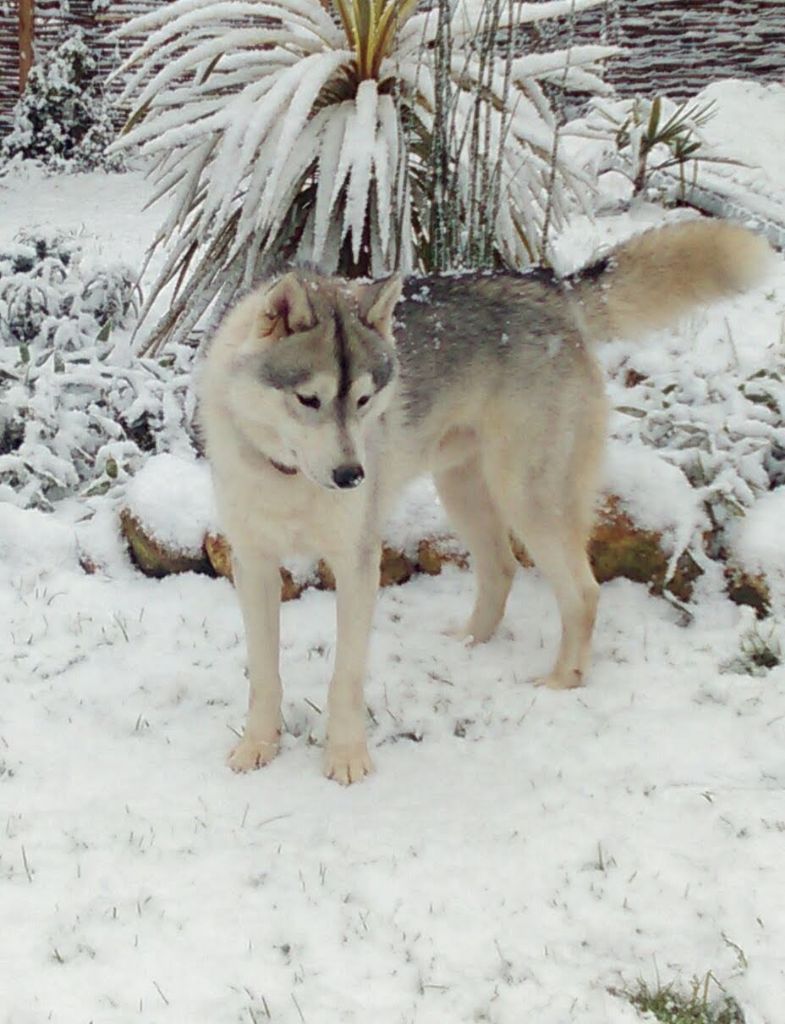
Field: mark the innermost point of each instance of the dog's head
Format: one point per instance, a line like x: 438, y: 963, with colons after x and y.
x: 322, y: 360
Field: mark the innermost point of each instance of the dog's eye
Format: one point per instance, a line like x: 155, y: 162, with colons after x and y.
x: 309, y: 401
x: 363, y: 400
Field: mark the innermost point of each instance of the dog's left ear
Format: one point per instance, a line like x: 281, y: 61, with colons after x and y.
x: 377, y: 302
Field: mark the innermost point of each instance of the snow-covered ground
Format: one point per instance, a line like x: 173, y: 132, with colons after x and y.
x: 518, y: 855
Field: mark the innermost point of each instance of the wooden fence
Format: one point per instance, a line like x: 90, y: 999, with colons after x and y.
x: 676, y: 48
x: 673, y: 47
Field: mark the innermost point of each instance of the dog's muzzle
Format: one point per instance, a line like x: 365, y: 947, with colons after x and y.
x: 348, y: 476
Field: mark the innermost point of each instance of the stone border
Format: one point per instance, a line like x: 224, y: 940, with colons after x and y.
x: 618, y: 548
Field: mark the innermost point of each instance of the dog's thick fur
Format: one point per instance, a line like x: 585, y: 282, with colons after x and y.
x: 320, y: 398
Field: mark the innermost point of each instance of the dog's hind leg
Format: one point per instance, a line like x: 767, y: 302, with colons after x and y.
x: 471, y: 509
x: 548, y: 504
x: 560, y: 555
x: 258, y: 582
x: 356, y: 582
x: 554, y: 529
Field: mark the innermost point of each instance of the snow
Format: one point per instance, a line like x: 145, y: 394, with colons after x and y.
x: 758, y: 540
x: 529, y: 851
x: 418, y: 514
x: 657, y: 494
x: 173, y: 498
x: 760, y: 154
x: 518, y: 854
x: 55, y: 543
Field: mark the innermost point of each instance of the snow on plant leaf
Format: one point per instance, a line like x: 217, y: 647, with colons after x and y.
x: 311, y: 81
x: 469, y: 15
x: 345, y: 159
x: 329, y: 181
x: 202, y: 54
x: 176, y: 19
x: 384, y: 171
x: 300, y: 159
x: 62, y: 121
x: 360, y: 131
x: 59, y: 382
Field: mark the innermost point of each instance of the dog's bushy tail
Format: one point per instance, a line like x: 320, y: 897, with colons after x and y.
x: 652, y: 280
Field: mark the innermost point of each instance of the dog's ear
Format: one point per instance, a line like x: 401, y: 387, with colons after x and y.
x: 377, y: 301
x: 286, y: 308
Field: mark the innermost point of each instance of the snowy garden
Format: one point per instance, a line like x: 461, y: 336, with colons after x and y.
x: 609, y: 855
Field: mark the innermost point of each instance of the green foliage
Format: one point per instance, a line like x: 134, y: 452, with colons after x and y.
x: 656, y: 123
x: 669, y: 1005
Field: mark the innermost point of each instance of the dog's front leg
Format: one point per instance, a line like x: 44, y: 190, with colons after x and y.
x: 258, y: 581
x: 356, y: 582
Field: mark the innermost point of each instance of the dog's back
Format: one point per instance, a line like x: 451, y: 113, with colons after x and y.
x: 503, y: 328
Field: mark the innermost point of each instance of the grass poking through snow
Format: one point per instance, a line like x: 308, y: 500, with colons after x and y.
x: 669, y: 1004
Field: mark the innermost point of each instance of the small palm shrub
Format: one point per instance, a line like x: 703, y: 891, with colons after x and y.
x: 657, y: 135
x: 363, y: 136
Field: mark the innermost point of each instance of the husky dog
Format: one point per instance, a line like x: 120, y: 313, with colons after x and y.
x: 321, y: 397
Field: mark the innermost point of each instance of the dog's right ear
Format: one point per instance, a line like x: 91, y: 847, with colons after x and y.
x: 286, y: 308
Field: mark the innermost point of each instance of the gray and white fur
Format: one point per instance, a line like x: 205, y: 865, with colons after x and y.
x: 321, y: 397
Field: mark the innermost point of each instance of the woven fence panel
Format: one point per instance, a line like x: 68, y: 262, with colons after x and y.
x: 674, y: 47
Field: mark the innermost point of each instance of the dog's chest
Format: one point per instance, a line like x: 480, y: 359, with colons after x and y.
x: 289, y: 516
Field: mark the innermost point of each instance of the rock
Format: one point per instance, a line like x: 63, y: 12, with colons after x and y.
x: 755, y: 554
x: 434, y: 553
x: 154, y: 557
x: 395, y: 568
x: 618, y: 547
x: 748, y: 588
x: 521, y: 553
x: 324, y: 576
x: 291, y: 588
x: 219, y: 553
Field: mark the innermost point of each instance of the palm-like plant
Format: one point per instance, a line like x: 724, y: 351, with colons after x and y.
x: 361, y: 135
x: 647, y: 126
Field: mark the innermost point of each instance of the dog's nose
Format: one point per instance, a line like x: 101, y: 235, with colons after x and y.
x: 349, y: 475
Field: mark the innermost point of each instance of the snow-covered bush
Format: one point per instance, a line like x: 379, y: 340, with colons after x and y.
x: 719, y: 420
x: 361, y: 136
x: 62, y: 120
x: 50, y: 302
x: 72, y: 416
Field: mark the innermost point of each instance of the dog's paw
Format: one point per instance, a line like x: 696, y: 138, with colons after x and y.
x: 561, y: 680
x: 251, y: 753
x: 465, y: 634
x: 347, y: 762
x: 472, y: 633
